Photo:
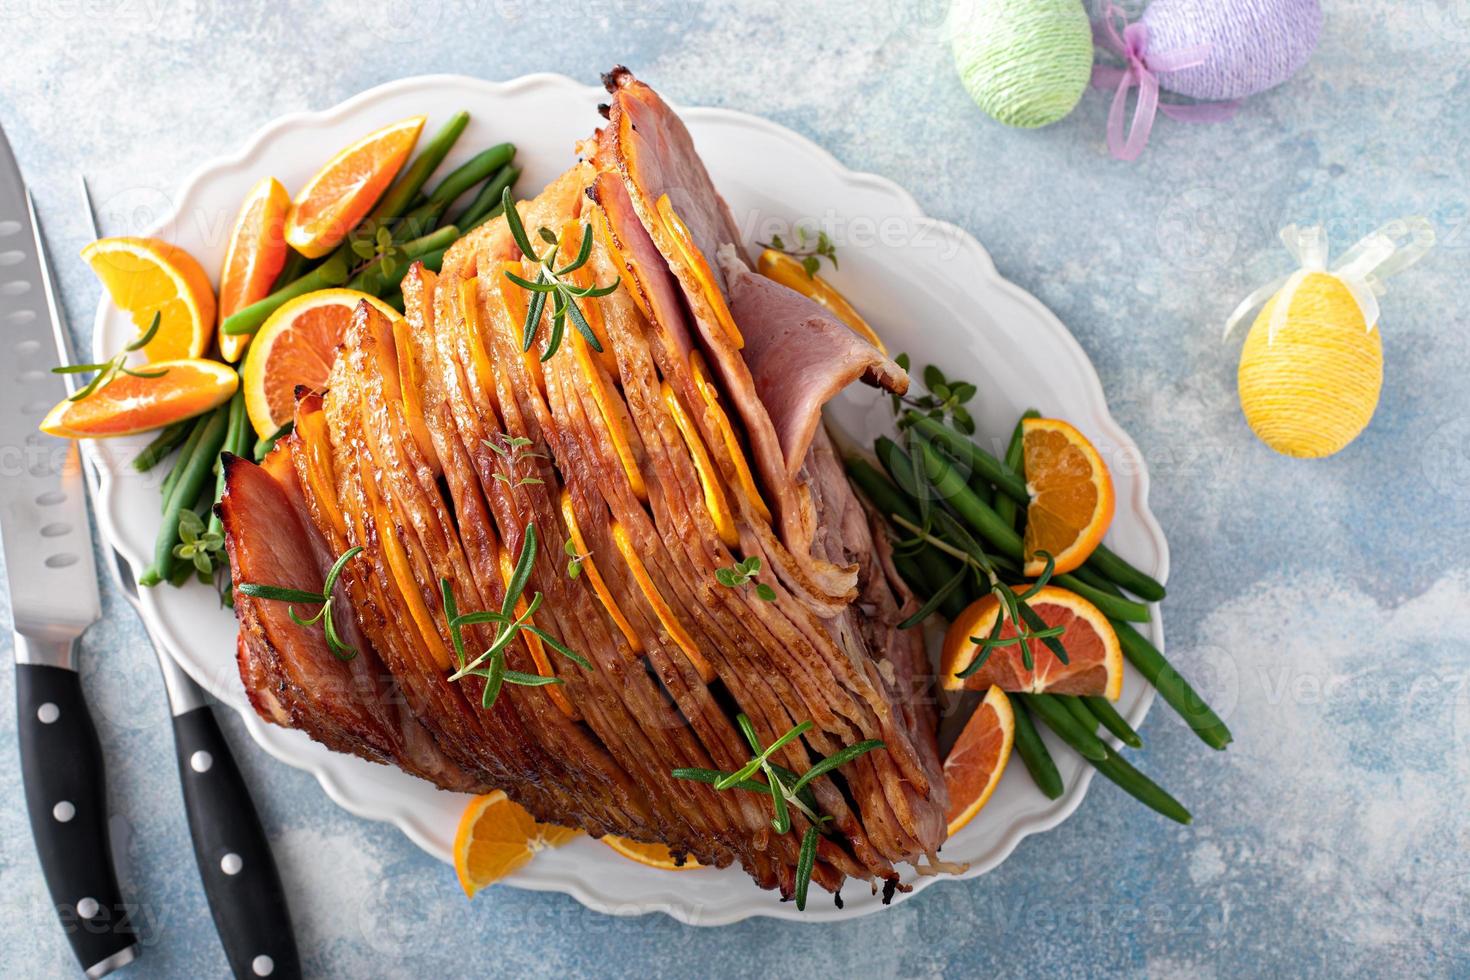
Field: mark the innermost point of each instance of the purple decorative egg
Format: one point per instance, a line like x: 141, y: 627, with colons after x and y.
x: 1254, y: 44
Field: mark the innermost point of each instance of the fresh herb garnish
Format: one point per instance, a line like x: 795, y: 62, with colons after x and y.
x: 738, y: 575
x: 108, y: 371
x: 490, y: 664
x: 198, y: 544
x: 379, y: 248
x: 514, y: 451
x: 323, y: 615
x: 549, y: 281
x: 786, y: 789
x: 574, y: 560
x: 810, y: 254
x: 946, y: 397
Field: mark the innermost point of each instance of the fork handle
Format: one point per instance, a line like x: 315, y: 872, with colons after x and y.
x: 234, y: 856
x: 66, y: 797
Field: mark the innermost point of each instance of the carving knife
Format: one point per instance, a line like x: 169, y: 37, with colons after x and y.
x: 47, y: 542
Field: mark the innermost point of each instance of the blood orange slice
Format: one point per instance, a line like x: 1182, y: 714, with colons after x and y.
x: 297, y: 346
x: 979, y: 756
x: 1095, y: 659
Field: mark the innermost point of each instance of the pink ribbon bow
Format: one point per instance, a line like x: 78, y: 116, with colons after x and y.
x: 1142, y: 71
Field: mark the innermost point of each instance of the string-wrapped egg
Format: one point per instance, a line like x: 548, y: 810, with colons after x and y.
x: 1025, y: 62
x: 1309, y: 389
x: 1251, y: 45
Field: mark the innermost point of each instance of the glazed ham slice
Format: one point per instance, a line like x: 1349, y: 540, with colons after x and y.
x: 690, y: 442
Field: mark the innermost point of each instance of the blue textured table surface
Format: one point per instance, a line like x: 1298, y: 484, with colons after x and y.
x: 1326, y: 605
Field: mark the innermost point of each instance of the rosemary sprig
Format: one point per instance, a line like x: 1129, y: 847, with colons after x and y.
x: 513, y: 452
x: 490, y: 664
x: 108, y: 371
x: 549, y: 282
x: 786, y: 789
x: 323, y: 615
x: 811, y: 255
x: 738, y: 575
x: 946, y: 397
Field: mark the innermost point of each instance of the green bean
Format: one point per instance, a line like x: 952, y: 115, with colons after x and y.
x: 237, y: 434
x: 934, y: 568
x: 1172, y: 686
x: 294, y: 268
x: 1141, y: 788
x: 184, y: 494
x: 1062, y: 721
x: 952, y: 489
x: 1011, y: 483
x: 332, y: 272
x: 488, y: 198
x: 482, y: 166
x: 164, y: 443
x: 1033, y: 753
x: 1081, y: 712
x: 264, y: 446
x: 196, y: 430
x: 1104, y: 711
x: 412, y: 180
x: 374, y: 281
x: 1006, y: 505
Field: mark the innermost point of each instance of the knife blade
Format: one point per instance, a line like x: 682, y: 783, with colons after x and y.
x: 46, y: 539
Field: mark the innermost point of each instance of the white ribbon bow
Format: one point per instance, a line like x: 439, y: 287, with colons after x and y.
x: 1362, y: 270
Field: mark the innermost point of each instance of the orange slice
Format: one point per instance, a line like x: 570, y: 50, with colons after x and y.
x: 496, y: 836
x: 297, y: 346
x: 790, y: 273
x: 145, y: 276
x: 1071, y: 495
x: 974, y: 765
x: 128, y: 405
x: 614, y: 413
x: 1095, y: 660
x: 341, y: 194
x: 714, y: 492
x: 699, y: 268
x: 711, y: 396
x: 660, y: 606
x: 254, y: 259
x: 595, y: 579
x: 537, y: 648
x: 653, y: 855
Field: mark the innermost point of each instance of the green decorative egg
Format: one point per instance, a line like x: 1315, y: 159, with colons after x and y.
x: 1025, y: 62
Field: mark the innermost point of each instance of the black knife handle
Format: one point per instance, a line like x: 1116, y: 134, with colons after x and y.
x: 234, y: 856
x: 66, y: 796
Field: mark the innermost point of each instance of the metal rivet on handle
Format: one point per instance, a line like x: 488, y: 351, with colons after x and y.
x: 231, y: 863
x: 88, y: 907
x: 47, y: 713
x: 263, y: 966
x: 201, y: 761
x: 63, y: 811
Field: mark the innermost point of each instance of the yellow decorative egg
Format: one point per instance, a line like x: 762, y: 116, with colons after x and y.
x: 1309, y: 390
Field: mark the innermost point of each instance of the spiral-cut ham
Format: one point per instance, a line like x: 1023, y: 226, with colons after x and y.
x: 675, y: 451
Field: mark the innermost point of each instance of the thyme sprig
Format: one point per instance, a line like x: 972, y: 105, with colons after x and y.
x: 197, y: 544
x: 740, y: 574
x: 490, y: 664
x: 786, y: 789
x: 380, y: 248
x: 549, y: 281
x: 323, y: 615
x: 108, y: 371
x: 810, y: 251
x: 514, y: 451
x: 945, y: 397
